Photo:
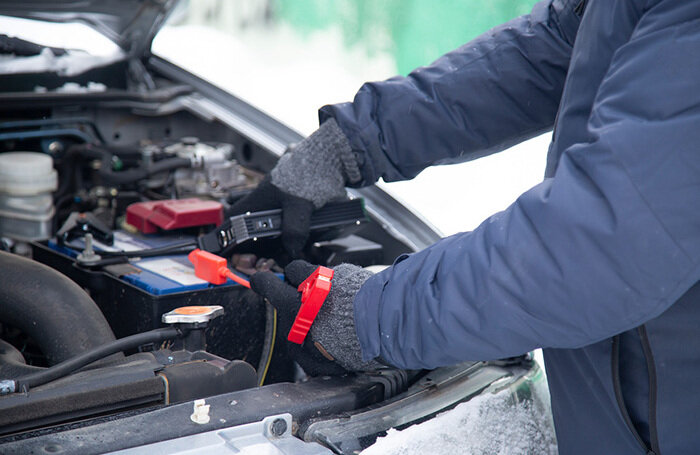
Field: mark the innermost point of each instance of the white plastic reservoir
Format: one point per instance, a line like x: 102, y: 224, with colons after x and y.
x: 26, y: 205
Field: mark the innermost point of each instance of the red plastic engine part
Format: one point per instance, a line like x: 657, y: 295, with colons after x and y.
x: 170, y: 214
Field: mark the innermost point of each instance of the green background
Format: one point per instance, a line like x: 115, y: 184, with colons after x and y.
x: 415, y: 32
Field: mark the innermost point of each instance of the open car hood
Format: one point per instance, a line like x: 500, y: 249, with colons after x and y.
x: 131, y: 24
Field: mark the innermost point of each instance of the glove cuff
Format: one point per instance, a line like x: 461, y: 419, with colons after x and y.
x: 319, y: 167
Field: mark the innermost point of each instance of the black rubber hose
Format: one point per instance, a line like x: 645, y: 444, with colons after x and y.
x: 12, y: 363
x: 175, y: 248
x: 65, y: 368
x: 43, y: 123
x: 268, y: 344
x: 134, y: 175
x: 105, y: 156
x: 54, y: 311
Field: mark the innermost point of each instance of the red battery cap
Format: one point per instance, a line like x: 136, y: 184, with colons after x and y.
x: 314, y: 291
x: 170, y: 214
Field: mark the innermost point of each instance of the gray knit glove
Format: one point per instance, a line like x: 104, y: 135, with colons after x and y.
x: 319, y: 167
x: 331, y: 346
x: 306, y: 177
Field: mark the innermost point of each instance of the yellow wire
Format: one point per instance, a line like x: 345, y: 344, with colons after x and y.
x: 272, y: 347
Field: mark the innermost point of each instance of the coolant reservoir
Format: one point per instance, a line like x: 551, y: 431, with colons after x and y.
x: 26, y: 205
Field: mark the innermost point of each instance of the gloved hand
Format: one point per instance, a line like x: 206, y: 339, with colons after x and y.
x: 331, y: 346
x: 305, y: 178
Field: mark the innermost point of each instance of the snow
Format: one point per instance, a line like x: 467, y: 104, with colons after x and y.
x: 488, y: 424
x: 73, y: 87
x: 72, y: 35
x: 86, y: 47
x: 69, y: 64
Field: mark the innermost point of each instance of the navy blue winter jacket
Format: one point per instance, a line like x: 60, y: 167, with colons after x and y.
x: 598, y: 264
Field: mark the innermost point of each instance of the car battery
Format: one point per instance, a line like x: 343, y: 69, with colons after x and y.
x: 134, y: 295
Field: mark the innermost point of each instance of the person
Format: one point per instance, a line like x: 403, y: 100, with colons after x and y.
x: 598, y: 264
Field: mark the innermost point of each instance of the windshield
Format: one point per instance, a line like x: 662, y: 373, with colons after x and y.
x: 289, y: 57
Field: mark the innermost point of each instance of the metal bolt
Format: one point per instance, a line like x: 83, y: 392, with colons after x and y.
x: 147, y: 155
x: 278, y: 427
x: 88, y: 255
x: 55, y: 147
x: 100, y: 191
x: 89, y: 250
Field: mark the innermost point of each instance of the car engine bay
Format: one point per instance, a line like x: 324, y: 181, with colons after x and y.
x: 102, y: 197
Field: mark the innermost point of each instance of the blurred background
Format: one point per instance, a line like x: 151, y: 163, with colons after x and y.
x: 290, y: 57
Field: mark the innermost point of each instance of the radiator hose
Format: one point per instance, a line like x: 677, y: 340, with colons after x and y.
x: 54, y: 311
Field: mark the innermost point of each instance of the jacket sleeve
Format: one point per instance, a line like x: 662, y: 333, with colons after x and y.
x: 608, y: 243
x: 498, y: 90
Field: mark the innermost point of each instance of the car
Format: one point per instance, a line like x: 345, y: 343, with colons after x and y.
x: 113, y: 168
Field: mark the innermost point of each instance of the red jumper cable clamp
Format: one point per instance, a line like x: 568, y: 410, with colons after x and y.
x: 314, y: 291
x: 212, y: 268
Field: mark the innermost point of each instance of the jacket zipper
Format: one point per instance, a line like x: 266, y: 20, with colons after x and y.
x: 617, y: 388
x: 651, y: 370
